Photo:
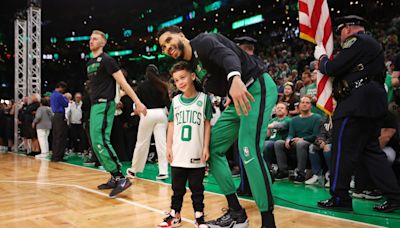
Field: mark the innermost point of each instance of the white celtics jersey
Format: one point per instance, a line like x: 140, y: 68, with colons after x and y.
x: 188, y: 138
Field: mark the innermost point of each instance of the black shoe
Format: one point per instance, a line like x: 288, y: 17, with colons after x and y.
x: 123, y: 183
x: 299, y: 179
x: 230, y: 219
x: 58, y: 160
x: 199, y: 222
x: 112, y: 183
x: 33, y: 153
x: 387, y: 207
x: 334, y: 203
x: 281, y: 175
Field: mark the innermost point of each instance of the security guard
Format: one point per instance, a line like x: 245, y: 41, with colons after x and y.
x: 358, y: 71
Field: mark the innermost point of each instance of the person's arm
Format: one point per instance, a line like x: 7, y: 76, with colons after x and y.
x: 38, y: 116
x: 206, y: 146
x: 119, y: 77
x: 386, y: 135
x: 170, y: 134
x: 230, y: 62
x: 344, y: 61
x: 63, y: 100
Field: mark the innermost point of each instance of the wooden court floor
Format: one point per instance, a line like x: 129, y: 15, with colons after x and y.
x: 38, y: 193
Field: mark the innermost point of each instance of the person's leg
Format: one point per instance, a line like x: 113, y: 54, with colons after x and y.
x: 223, y: 134
x: 160, y: 138
x: 281, y: 156
x: 302, y: 148
x: 101, y: 118
x: 251, y: 141
x: 315, y: 159
x: 141, y: 151
x: 268, y: 151
x: 195, y: 178
x: 179, y: 178
x: 328, y: 156
x: 41, y: 138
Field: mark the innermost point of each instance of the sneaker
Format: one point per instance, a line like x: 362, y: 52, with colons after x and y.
x: 130, y: 173
x: 281, y: 175
x: 42, y: 155
x: 109, y: 185
x: 352, y: 183
x: 313, y: 180
x: 123, y: 183
x: 237, y: 219
x: 327, y: 184
x: 162, y: 176
x: 199, y: 220
x: 366, y: 194
x: 170, y: 221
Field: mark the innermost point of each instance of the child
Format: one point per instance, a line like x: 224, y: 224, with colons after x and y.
x: 188, y: 141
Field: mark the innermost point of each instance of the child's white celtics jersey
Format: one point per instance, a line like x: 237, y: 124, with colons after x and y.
x: 188, y: 138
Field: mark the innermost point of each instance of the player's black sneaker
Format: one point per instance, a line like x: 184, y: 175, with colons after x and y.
x: 111, y: 183
x: 123, y: 183
x: 237, y: 219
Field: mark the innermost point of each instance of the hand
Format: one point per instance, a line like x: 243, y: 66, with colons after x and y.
x: 287, y: 144
x: 227, y: 102
x: 297, y: 140
x: 120, y: 105
x: 319, y: 51
x: 33, y: 125
x: 141, y: 108
x: 206, y: 155
x: 169, y: 156
x: 322, y: 144
x: 240, y: 96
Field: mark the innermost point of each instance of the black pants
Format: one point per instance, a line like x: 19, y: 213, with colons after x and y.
x: 195, y: 178
x: 356, y: 146
x: 78, y: 139
x: 60, y: 132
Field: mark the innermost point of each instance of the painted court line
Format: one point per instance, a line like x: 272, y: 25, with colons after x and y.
x: 133, y: 203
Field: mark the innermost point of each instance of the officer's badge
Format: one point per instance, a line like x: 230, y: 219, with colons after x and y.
x: 349, y: 42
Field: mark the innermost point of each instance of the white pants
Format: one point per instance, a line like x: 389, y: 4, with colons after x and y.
x: 156, y: 122
x: 43, y: 137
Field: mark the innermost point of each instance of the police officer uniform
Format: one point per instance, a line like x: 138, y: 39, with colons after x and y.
x: 358, y: 72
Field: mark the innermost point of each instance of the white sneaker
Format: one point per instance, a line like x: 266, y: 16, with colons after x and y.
x: 352, y: 183
x: 42, y: 155
x: 162, y: 176
x: 312, y: 180
x: 327, y: 184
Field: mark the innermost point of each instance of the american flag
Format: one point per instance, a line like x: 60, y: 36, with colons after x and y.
x: 316, y: 27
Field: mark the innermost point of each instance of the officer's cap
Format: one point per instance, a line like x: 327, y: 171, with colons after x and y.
x: 350, y: 20
x: 245, y: 40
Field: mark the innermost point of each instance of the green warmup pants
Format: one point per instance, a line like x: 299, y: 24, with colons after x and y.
x: 101, y: 121
x: 251, y: 131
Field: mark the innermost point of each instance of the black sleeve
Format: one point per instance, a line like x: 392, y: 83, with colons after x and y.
x: 397, y: 63
x: 111, y: 65
x: 389, y: 121
x: 344, y: 61
x: 216, y: 52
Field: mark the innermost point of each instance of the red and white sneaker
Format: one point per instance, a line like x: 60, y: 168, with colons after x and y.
x: 170, y: 221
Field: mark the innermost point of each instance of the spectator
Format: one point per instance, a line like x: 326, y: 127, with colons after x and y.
x: 58, y: 104
x: 303, y: 130
x: 29, y: 117
x: 74, y: 116
x: 290, y: 99
x: 323, y: 143
x: 42, y: 122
